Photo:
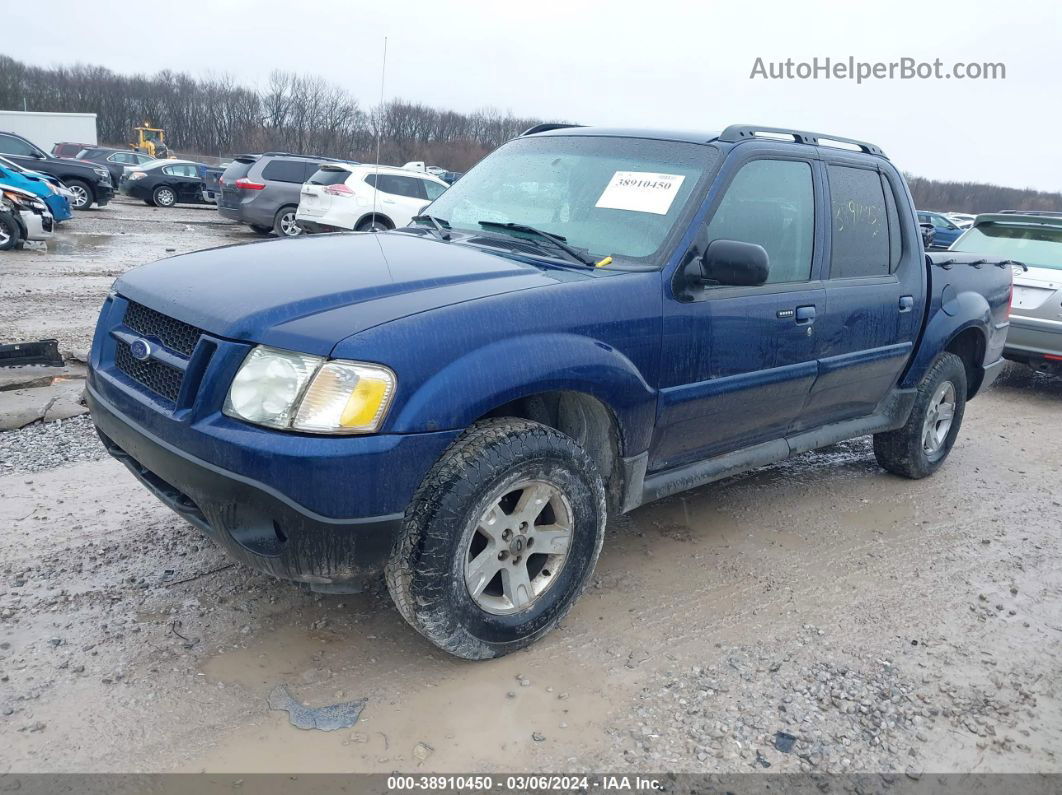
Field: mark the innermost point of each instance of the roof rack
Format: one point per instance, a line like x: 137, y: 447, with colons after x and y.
x: 539, y: 128
x: 745, y: 132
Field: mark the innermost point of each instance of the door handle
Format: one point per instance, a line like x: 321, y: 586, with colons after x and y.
x: 906, y: 303
x: 805, y: 315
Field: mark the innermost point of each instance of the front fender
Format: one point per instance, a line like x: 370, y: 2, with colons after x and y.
x: 506, y: 370
x: 951, y: 314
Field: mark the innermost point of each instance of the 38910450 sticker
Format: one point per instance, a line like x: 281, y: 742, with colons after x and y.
x: 640, y: 191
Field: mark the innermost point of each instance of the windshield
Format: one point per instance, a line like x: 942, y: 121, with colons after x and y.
x: 1039, y: 246
x: 618, y: 197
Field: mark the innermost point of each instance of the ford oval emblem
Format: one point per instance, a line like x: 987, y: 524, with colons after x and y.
x: 140, y: 350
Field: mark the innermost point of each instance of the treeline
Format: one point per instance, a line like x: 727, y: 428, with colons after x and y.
x: 217, y: 116
x: 978, y: 197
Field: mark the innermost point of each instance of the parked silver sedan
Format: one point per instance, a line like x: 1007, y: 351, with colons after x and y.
x: 1035, y: 239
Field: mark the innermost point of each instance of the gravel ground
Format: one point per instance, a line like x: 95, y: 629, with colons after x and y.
x: 48, y: 445
x: 816, y: 615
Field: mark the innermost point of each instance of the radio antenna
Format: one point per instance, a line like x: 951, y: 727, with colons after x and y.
x: 379, y: 135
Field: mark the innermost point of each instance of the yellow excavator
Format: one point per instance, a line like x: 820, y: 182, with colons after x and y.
x: 151, y: 141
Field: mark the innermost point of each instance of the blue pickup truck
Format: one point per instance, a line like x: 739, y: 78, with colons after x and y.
x: 589, y: 320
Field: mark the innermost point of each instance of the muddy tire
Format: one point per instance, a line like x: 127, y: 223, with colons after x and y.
x: 499, y: 540
x: 920, y: 447
x: 377, y: 224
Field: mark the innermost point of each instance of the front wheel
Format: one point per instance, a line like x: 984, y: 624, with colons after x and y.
x: 10, y: 234
x: 83, y: 196
x: 921, y: 445
x: 499, y: 540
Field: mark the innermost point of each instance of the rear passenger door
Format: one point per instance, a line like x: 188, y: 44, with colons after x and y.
x: 873, y: 294
x: 401, y: 197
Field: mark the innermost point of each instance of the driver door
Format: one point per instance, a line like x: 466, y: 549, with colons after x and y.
x: 739, y: 362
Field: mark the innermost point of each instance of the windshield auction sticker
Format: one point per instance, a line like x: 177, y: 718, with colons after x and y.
x: 640, y: 191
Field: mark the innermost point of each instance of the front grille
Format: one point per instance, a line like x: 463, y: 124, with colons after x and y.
x: 175, y: 335
x: 154, y: 375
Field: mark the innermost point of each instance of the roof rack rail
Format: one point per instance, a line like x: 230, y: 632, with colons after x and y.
x: 538, y: 128
x: 1038, y: 213
x: 744, y: 132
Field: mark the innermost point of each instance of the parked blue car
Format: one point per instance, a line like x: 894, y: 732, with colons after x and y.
x: 47, y: 187
x: 587, y: 321
x: 945, y: 231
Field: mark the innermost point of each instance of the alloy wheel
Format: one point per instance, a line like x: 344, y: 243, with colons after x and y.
x: 939, y: 418
x: 81, y: 197
x: 289, y: 227
x: 518, y: 547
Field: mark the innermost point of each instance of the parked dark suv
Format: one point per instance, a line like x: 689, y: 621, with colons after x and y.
x: 88, y: 182
x: 262, y: 191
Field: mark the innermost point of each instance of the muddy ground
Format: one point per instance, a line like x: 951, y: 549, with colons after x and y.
x: 815, y: 615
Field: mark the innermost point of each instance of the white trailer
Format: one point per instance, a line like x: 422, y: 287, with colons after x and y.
x: 47, y: 129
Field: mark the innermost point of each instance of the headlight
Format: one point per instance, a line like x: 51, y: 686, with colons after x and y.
x: 295, y: 391
x: 102, y: 172
x: 137, y: 175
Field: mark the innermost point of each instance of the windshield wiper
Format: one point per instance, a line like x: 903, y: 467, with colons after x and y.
x: 558, y: 241
x: 439, y: 224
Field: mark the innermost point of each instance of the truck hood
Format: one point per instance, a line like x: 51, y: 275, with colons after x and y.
x: 308, y: 293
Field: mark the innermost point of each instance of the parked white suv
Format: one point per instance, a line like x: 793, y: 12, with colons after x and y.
x: 340, y: 196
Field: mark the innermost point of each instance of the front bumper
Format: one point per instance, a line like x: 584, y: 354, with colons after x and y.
x: 133, y: 189
x: 254, y: 523
x: 39, y: 226
x: 104, y: 192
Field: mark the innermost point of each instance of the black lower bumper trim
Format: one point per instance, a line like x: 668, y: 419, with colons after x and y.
x: 254, y: 526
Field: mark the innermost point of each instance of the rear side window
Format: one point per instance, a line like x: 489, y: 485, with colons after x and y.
x: 182, y: 170
x: 433, y: 189
x: 860, y: 224
x: 329, y: 176
x: 771, y: 203
x: 285, y: 171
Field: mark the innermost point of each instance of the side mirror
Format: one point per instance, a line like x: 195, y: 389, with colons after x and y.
x: 733, y: 262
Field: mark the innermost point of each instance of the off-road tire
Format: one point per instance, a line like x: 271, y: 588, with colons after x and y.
x: 902, y: 451
x: 425, y: 574
x: 158, y: 196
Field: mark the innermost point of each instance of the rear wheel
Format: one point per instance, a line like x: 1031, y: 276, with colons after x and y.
x: 164, y: 196
x: 375, y: 224
x: 499, y: 540
x: 9, y: 232
x: 83, y: 196
x: 920, y: 447
x: 284, y: 223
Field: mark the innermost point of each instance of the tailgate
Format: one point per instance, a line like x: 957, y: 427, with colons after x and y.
x: 313, y: 200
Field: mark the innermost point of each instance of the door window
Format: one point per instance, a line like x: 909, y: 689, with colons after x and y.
x: 397, y: 185
x: 771, y: 203
x: 860, y: 223
x: 15, y: 146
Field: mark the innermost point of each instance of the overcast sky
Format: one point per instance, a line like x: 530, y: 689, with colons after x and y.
x: 652, y: 63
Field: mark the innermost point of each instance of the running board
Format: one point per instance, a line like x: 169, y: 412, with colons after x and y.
x: 892, y: 413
